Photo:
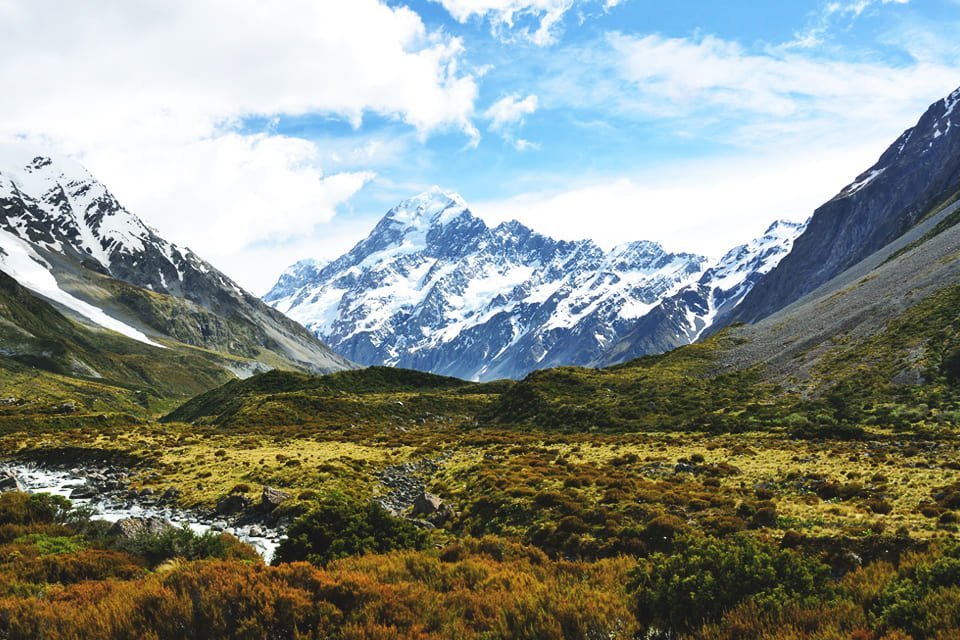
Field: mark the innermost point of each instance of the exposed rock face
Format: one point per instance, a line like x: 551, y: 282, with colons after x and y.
x: 431, y: 507
x: 919, y: 171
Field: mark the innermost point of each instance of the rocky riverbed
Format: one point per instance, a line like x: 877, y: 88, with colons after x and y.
x: 105, y: 491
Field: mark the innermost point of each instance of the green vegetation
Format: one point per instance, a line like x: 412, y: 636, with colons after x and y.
x: 339, y: 528
x: 707, y: 578
x: 668, y: 498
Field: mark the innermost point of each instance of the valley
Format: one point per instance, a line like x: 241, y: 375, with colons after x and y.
x: 479, y: 431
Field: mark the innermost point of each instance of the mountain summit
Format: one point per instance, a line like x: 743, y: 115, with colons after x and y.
x: 66, y: 238
x: 435, y: 288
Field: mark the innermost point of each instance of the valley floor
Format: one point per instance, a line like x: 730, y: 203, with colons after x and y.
x: 541, y: 535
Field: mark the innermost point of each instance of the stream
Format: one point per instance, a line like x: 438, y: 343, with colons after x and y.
x: 112, y: 506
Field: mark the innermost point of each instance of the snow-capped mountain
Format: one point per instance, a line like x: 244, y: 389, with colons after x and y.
x: 434, y: 288
x: 706, y: 304
x: 64, y: 236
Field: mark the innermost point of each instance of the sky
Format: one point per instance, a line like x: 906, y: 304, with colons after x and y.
x: 261, y: 133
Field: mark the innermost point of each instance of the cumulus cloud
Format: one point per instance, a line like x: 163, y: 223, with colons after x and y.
x: 151, y: 96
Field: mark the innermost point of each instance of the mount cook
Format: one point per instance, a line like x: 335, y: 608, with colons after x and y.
x: 434, y: 288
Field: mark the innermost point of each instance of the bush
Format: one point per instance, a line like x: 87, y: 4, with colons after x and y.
x: 39, y: 508
x: 184, y: 543
x: 678, y: 593
x: 339, y: 528
x: 925, y: 600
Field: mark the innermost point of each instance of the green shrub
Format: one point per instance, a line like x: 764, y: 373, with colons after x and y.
x: 338, y: 528
x: 926, y: 598
x: 39, y: 508
x: 184, y: 543
x: 678, y: 593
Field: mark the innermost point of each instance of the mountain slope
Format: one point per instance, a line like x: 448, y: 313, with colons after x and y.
x: 920, y: 170
x: 54, y: 366
x: 878, y: 345
x: 434, y: 288
x: 67, y: 238
x: 685, y: 316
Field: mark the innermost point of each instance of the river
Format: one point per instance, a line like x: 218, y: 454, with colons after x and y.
x: 111, y: 507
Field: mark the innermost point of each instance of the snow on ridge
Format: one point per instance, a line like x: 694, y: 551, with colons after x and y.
x: 103, y: 226
x: 433, y: 206
x: 20, y: 262
x: 863, y: 182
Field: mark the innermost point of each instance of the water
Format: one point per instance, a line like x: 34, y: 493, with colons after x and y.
x: 111, y: 508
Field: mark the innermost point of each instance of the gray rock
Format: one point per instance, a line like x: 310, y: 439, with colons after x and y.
x: 435, y: 510
x: 84, y: 493
x: 271, y: 498
x: 135, y: 527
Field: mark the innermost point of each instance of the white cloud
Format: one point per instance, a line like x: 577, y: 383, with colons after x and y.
x: 223, y: 196
x: 824, y: 20
x: 704, y: 206
x: 150, y: 96
x: 797, y: 128
x: 710, y: 87
x: 536, y: 21
x: 506, y: 117
x: 509, y: 111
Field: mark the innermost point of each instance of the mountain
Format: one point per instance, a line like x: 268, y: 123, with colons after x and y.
x: 691, y: 312
x: 65, y: 239
x: 918, y: 172
x: 434, y: 288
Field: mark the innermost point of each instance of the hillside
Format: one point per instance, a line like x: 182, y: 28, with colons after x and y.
x: 65, y: 237
x: 876, y: 340
x: 920, y: 170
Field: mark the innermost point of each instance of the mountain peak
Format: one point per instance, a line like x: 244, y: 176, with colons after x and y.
x: 432, y: 207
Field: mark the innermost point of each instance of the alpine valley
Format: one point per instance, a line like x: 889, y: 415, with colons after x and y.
x: 179, y: 459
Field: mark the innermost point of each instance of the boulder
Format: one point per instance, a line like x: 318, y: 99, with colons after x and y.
x: 135, y: 527
x: 84, y: 493
x: 9, y: 481
x: 271, y: 498
x: 431, y: 507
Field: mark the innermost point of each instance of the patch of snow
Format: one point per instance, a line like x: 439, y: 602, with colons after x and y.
x: 860, y: 184
x: 22, y: 263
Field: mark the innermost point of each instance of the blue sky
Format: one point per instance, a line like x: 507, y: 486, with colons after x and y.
x: 284, y: 131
